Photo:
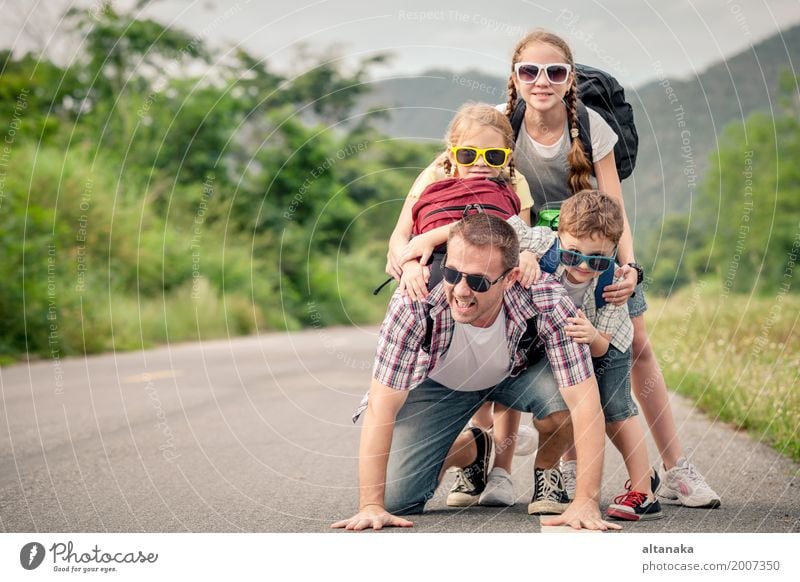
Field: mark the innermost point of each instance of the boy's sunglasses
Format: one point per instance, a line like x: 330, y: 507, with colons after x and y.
x: 557, y: 73
x: 595, y: 262
x: 467, y: 156
x: 477, y: 283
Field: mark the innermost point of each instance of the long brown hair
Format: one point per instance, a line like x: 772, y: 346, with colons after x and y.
x: 579, y: 167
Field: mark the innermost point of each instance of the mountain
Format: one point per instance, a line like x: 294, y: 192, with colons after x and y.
x: 679, y: 120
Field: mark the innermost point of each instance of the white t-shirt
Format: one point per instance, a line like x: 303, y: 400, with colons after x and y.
x: 603, y: 137
x: 477, y: 358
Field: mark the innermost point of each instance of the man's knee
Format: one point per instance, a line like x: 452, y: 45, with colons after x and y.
x: 553, y: 423
x: 405, y: 502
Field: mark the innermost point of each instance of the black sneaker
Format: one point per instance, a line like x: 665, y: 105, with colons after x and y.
x: 471, y: 480
x: 549, y: 494
x: 655, y: 482
x: 635, y: 506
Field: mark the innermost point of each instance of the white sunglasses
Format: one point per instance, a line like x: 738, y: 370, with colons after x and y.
x: 556, y: 73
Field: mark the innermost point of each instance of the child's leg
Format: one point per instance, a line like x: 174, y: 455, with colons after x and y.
x: 628, y: 437
x: 506, y: 423
x: 651, y: 393
x: 638, y: 502
x: 570, y: 455
x: 483, y: 419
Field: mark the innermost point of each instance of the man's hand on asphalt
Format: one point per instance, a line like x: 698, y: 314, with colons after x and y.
x: 372, y: 516
x: 581, y: 514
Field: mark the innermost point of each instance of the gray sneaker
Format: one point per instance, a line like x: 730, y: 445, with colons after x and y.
x: 499, y: 489
x: 569, y: 473
x: 549, y: 496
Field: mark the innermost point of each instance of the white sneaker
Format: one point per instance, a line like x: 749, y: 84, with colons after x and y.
x: 499, y: 489
x: 526, y: 441
x: 569, y: 474
x: 684, y: 483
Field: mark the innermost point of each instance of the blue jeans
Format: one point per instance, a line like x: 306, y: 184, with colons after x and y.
x: 637, y: 304
x: 434, y: 415
x: 613, y: 373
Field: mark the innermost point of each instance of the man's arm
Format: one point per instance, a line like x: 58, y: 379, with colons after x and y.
x: 373, y: 457
x: 588, y: 426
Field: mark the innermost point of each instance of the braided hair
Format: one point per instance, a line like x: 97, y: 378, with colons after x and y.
x: 580, y: 169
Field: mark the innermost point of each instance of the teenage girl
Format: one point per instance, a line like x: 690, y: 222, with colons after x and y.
x: 550, y: 155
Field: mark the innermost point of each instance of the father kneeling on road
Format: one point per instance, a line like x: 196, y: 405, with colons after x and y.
x: 426, y: 387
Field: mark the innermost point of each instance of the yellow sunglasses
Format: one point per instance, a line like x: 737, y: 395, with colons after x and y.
x: 467, y: 155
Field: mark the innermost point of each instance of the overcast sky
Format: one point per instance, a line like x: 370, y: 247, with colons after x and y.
x: 633, y: 39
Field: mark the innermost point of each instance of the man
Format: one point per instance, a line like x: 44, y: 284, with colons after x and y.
x: 424, y: 391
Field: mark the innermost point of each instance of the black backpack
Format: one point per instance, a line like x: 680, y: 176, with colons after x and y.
x: 603, y: 93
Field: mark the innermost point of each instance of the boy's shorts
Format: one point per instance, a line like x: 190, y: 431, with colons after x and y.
x: 613, y: 373
x: 637, y: 304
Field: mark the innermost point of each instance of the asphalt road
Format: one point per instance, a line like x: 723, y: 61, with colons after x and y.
x: 254, y: 435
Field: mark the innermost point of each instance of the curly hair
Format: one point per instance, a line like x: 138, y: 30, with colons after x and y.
x: 580, y: 169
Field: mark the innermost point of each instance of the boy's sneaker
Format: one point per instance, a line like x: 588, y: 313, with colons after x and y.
x: 684, y: 483
x: 549, y: 496
x: 526, y: 441
x: 655, y: 482
x: 499, y: 489
x: 471, y: 480
x: 635, y: 506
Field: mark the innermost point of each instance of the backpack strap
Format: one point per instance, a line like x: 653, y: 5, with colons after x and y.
x: 426, y: 343
x: 517, y: 117
x: 549, y: 261
x: 585, y: 133
x: 606, y: 278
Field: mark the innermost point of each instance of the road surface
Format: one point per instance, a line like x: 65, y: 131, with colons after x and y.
x: 254, y: 435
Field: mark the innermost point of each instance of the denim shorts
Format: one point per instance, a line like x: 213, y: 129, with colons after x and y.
x: 613, y: 373
x: 433, y: 416
x: 637, y: 304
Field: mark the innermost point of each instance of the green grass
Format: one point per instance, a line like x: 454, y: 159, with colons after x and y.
x: 736, y: 356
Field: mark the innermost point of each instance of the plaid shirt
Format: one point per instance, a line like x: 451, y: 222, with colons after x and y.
x: 610, y: 319
x: 402, y: 364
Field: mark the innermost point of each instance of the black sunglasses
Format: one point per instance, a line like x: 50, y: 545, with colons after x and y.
x: 477, y: 283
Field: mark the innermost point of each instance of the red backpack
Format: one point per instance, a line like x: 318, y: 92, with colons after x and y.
x: 450, y: 200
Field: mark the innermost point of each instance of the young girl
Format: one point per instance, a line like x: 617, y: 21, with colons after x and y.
x: 543, y: 75
x: 476, y: 138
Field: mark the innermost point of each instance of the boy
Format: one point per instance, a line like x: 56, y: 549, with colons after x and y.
x: 590, y: 227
